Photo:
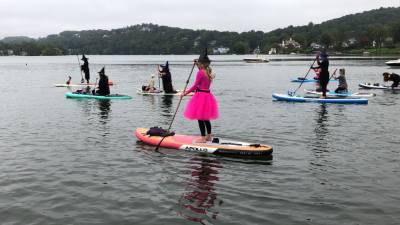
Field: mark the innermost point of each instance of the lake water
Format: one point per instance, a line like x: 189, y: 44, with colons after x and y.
x: 66, y: 161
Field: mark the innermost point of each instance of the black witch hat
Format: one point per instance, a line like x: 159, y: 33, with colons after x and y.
x: 165, y: 67
x: 101, y: 72
x: 84, y: 57
x: 203, y: 58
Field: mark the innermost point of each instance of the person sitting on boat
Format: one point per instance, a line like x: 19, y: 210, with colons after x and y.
x: 104, y: 88
x: 69, y: 80
x: 150, y: 87
x: 323, y: 65
x: 85, y: 68
x: 203, y: 106
x: 165, y: 74
x: 395, y: 78
x: 342, y: 87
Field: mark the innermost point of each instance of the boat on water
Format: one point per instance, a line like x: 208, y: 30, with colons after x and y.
x: 256, y: 60
x: 393, y: 62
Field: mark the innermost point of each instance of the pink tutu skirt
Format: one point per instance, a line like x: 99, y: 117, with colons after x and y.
x: 202, y: 106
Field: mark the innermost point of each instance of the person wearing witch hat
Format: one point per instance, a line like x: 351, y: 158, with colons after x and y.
x: 104, y: 88
x: 203, y: 106
x: 165, y: 74
x: 323, y: 65
x: 85, y: 68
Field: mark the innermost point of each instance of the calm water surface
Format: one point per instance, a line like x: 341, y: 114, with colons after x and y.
x: 66, y: 161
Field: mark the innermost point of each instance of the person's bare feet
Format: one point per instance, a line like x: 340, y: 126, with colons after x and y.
x: 209, y: 137
x: 201, y: 140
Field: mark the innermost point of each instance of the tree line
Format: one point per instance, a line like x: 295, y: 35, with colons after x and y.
x: 379, y: 28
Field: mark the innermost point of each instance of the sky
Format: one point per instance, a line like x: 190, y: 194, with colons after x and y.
x: 39, y: 18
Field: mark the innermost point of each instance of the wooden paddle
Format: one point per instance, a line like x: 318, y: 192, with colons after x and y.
x: 177, y: 107
x: 303, y: 79
x: 80, y: 68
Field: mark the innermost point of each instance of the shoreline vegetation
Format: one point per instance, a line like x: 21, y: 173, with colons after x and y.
x: 370, y: 33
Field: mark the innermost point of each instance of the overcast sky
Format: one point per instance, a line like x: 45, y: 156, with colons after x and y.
x: 39, y: 18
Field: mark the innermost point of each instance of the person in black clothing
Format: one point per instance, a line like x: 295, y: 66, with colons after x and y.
x: 323, y: 65
x: 85, y: 68
x: 165, y: 74
x: 104, y: 88
x: 392, y: 77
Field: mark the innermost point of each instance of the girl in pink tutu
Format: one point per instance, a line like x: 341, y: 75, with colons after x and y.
x: 203, y: 106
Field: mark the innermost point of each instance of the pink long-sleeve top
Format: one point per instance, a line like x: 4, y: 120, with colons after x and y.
x: 202, y: 82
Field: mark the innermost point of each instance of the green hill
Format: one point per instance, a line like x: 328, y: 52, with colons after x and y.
x: 16, y: 39
x: 377, y: 29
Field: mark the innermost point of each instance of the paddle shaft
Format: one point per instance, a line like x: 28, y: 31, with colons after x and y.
x: 80, y: 68
x: 302, y: 81
x: 94, y: 89
x: 334, y: 72
x: 159, y: 88
x: 177, y: 107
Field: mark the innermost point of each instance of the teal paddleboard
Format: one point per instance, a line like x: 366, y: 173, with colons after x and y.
x: 112, y: 96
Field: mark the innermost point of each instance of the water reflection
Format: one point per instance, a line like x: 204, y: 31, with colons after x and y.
x: 105, y: 108
x: 199, y: 199
x: 321, y: 128
x: 166, y: 106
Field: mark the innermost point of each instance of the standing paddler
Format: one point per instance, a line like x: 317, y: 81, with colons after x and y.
x: 323, y: 65
x: 85, y: 68
x: 203, y: 106
x: 165, y: 74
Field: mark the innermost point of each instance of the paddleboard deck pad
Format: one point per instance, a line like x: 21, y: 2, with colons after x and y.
x: 332, y: 99
x: 377, y: 86
x: 343, y: 94
x: 112, y: 96
x: 218, y: 146
x: 158, y: 92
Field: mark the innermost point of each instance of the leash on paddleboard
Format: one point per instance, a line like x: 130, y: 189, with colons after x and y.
x: 303, y: 79
x: 80, y: 68
x: 177, y: 107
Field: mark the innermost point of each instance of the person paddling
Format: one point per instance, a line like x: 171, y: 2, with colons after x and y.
x: 202, y: 106
x: 395, y: 78
x: 85, y: 68
x: 104, y: 88
x: 342, y: 87
x: 323, y: 64
x: 165, y: 74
